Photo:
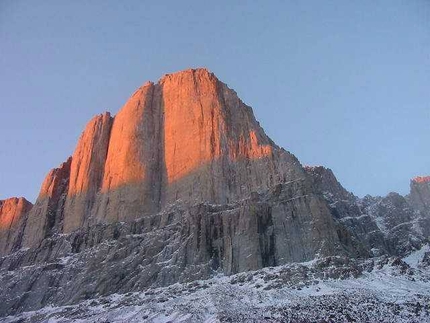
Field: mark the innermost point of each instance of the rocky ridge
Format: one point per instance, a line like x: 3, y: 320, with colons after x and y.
x: 183, y: 184
x: 393, y: 224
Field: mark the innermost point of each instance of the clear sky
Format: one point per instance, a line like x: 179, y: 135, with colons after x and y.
x: 344, y: 84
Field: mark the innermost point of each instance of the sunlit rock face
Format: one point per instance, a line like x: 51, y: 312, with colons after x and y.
x: 46, y: 216
x: 183, y: 184
x: 214, y: 149
x: 419, y: 198
x: 420, y: 193
x: 132, y: 175
x: 187, y: 137
x: 12, y: 213
x: 86, y: 171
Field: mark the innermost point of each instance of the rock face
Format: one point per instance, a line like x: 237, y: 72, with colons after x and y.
x: 392, y: 224
x: 182, y: 184
x: 287, y: 223
x: 86, y: 171
x: 12, y: 214
x: 342, y: 203
x: 214, y: 149
x: 132, y: 181
x: 188, y: 137
x: 420, y: 193
x: 46, y: 216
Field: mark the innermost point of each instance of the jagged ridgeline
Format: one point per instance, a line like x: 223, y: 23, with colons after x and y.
x: 183, y: 184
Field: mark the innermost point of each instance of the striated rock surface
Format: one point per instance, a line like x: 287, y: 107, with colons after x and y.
x: 188, y: 137
x: 288, y: 223
x: 46, y: 216
x: 131, y: 184
x: 86, y: 171
x: 393, y: 224
x: 183, y: 184
x: 13, y: 212
x: 325, y: 182
x: 214, y: 148
x: 342, y: 203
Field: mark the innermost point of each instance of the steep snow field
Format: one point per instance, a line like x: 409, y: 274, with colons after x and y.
x: 383, y: 290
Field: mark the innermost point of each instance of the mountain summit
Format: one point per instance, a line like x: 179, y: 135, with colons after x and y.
x: 183, y: 184
x: 187, y: 137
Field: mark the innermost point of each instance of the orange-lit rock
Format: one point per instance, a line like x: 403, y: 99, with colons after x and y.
x: 190, y: 186
x: 205, y: 120
x: 132, y: 177
x: 46, y: 216
x: 188, y: 137
x: 86, y: 171
x: 215, y: 150
x: 193, y: 122
x: 421, y: 179
x: 12, y: 212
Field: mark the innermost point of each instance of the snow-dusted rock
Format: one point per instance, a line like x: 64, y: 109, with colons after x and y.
x: 182, y: 185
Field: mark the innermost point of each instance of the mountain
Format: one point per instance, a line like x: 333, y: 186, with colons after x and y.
x: 181, y: 185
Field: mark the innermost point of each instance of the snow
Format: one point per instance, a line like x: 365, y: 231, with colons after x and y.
x: 415, y: 257
x: 383, y: 294
x: 380, y: 222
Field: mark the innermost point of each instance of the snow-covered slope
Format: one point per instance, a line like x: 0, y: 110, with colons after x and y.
x: 332, y: 289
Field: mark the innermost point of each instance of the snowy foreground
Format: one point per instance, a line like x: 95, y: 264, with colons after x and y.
x: 327, y: 290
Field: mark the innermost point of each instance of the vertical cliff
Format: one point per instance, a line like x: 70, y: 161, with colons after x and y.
x: 46, y: 216
x: 214, y: 149
x: 132, y: 175
x: 182, y: 184
x: 187, y: 138
x: 86, y: 171
x: 13, y: 213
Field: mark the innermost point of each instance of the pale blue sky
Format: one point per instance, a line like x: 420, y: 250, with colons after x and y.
x: 344, y: 84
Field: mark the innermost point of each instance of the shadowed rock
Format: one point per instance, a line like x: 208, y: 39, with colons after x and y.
x: 188, y: 137
x: 393, y: 224
x: 420, y: 193
x: 183, y: 243
x: 182, y: 184
x: 46, y: 216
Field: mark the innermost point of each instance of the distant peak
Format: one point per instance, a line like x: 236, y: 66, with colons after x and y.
x: 421, y: 179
